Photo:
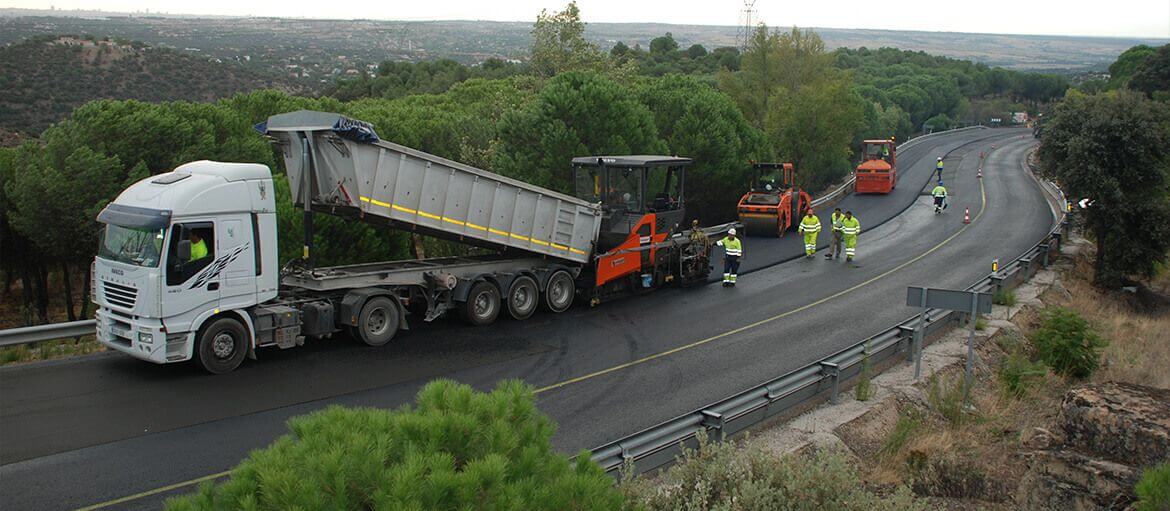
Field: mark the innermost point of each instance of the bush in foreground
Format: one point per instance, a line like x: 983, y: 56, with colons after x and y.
x: 1067, y: 343
x: 457, y: 449
x: 746, y: 476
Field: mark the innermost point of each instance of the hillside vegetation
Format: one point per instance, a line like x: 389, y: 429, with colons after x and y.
x: 44, y: 78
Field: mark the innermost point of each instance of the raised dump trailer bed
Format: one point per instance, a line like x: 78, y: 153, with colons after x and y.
x: 347, y: 166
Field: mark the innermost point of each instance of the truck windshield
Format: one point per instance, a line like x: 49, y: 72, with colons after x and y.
x: 131, y: 245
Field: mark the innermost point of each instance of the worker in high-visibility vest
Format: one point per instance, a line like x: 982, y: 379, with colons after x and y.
x: 810, y: 225
x: 940, y: 197
x: 835, y: 247
x: 850, y: 229
x: 938, y: 167
x: 198, y: 246
x: 732, y: 252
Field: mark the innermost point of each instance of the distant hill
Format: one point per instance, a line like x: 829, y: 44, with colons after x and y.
x: 44, y: 78
x: 320, y: 48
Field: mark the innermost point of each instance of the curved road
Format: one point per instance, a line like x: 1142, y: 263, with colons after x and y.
x: 84, y: 431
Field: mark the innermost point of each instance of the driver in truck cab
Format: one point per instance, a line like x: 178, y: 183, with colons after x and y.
x: 198, y: 246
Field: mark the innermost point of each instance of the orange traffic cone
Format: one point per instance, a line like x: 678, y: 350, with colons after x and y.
x: 967, y: 215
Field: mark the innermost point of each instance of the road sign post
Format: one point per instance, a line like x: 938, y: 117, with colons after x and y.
x: 970, y: 302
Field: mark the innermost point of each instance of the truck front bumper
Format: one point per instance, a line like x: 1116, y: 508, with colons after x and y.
x: 142, y: 338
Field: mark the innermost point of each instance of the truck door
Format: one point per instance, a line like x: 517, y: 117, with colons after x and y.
x: 234, y: 253
x: 191, y: 287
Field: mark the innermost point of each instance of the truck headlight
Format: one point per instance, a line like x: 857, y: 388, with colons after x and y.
x: 145, y: 338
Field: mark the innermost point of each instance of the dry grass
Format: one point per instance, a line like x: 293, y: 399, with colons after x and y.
x: 1139, y: 343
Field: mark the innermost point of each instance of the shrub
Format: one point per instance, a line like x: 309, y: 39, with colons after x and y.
x: 908, y: 423
x: 749, y: 477
x: 457, y: 449
x: 1067, y: 343
x: 1153, y: 490
x: 1005, y: 297
x: 1018, y: 374
x: 946, y: 398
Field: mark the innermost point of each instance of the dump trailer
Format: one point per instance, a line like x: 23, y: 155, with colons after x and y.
x: 187, y: 265
x: 772, y: 201
x: 878, y: 170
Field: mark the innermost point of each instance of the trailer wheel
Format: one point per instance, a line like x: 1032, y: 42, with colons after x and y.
x: 559, y: 295
x: 523, y: 297
x: 378, y: 321
x: 223, y: 344
x: 482, y: 305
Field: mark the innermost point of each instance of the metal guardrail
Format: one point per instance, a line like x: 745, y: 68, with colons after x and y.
x: 659, y: 445
x: 54, y: 331
x: 49, y: 332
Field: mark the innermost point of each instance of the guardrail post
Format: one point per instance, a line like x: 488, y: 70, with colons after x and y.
x: 714, y: 420
x: 1026, y: 267
x: 1057, y: 237
x: 996, y: 283
x: 831, y: 370
x: 907, y: 335
x: 1044, y: 248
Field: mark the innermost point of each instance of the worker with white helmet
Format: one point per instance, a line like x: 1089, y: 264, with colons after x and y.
x: 732, y: 252
x: 938, y: 167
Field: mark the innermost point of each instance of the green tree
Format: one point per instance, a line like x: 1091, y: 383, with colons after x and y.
x: 1153, y: 74
x: 1111, y: 149
x: 55, y: 197
x: 663, y: 44
x: 576, y: 114
x: 699, y: 122
x: 559, y: 45
x: 455, y: 449
x: 753, y: 85
x: 696, y: 51
x: 813, y: 127
x: 1122, y: 69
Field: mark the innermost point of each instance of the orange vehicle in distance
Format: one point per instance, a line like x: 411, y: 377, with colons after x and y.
x: 768, y: 209
x: 878, y: 170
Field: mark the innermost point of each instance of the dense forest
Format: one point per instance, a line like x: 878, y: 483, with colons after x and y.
x: 786, y: 97
x: 44, y: 78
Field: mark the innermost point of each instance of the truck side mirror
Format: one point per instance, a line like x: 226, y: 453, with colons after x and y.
x: 184, y: 250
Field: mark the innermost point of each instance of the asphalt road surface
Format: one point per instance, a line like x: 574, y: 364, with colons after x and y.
x: 93, y: 429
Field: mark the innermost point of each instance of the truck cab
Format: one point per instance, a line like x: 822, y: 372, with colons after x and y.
x: 177, y: 249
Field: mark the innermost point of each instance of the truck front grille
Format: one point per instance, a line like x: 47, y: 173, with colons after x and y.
x: 117, y: 294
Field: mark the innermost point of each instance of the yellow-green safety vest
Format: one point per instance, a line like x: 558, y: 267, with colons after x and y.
x: 837, y: 218
x: 198, y: 250
x: 939, y: 191
x: 810, y: 225
x: 850, y: 227
x: 731, y: 247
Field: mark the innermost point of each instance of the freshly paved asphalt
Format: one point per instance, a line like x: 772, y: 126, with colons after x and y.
x: 86, y: 430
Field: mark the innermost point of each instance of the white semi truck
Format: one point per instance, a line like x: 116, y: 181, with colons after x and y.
x: 187, y: 265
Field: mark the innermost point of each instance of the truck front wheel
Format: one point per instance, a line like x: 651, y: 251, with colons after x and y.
x: 378, y: 321
x: 223, y: 345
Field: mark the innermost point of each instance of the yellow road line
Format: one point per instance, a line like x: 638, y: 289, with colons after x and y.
x: 982, y: 207
x: 155, y: 491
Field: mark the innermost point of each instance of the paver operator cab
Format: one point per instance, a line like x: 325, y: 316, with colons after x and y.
x: 187, y: 265
x: 878, y: 170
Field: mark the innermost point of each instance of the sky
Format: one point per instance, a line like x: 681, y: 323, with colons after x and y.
x: 1120, y: 18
